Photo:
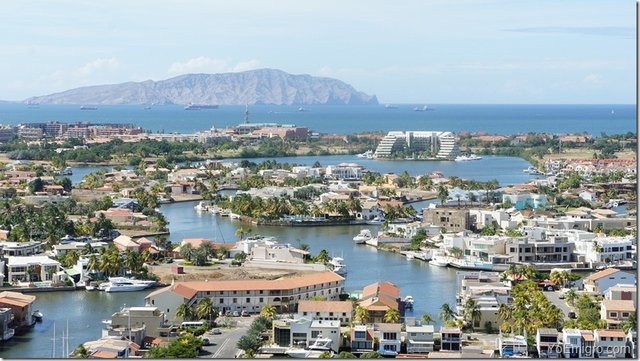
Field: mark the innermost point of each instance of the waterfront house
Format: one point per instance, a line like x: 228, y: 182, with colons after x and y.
x: 420, y: 339
x: 6, y: 318
x: 32, y: 269
x: 548, y: 343
x: 553, y: 250
x: 450, y: 339
x: 610, y: 343
x: 325, y: 329
x: 615, y: 312
x: 600, y: 282
x: 20, y: 248
x: 303, y: 332
x: 380, y: 297
x: 346, y: 171
x: 110, y: 348
x: 389, y: 336
x: 481, y: 248
x: 21, y: 307
x: 611, y: 249
x: 451, y: 218
x: 361, y: 339
x: 525, y: 200
x: 327, y: 310
x: 487, y: 291
x: 248, y: 295
x: 481, y: 218
x: 275, y: 252
x: 142, y: 321
x: 572, y: 343
x: 124, y: 243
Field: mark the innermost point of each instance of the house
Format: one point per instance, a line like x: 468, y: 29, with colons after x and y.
x: 327, y: 310
x: 31, y: 269
x: 380, y: 297
x: 600, y: 282
x: 325, y: 329
x: 548, y: 342
x: 248, y: 295
x: 622, y: 292
x: 615, y: 312
x: 389, y: 336
x: 525, y: 200
x: 512, y: 346
x: 182, y: 188
x: 450, y: 339
x: 124, y: 243
x: 552, y: 250
x: 277, y: 253
x: 143, y: 322
x: 420, y: 339
x: 361, y: 339
x: 21, y: 308
x: 20, y: 248
x: 610, y: 343
x: 110, y: 348
x: 303, y: 332
x: 452, y: 219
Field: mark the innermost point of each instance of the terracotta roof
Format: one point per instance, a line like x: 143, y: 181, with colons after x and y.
x: 604, y: 273
x: 587, y: 335
x: 611, y: 333
x: 325, y: 306
x: 384, y: 287
x: 104, y: 354
x: 390, y: 327
x: 12, y: 302
x: 190, y: 288
x: 619, y: 305
x: 159, y: 291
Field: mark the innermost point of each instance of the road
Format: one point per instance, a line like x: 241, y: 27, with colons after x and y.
x: 224, y: 344
x: 554, y: 297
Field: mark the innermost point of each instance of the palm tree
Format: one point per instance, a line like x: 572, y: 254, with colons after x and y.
x: 392, y: 316
x: 93, y: 263
x: 571, y: 296
x: 206, y: 310
x: 186, y: 251
x: 322, y: 257
x: 269, y: 311
x: 446, y: 313
x: 443, y: 194
x: 631, y: 323
x: 185, y: 312
x: 427, y: 318
x: 472, y: 313
x: 362, y: 315
x: 556, y: 277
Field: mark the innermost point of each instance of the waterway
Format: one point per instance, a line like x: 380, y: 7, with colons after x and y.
x: 430, y: 286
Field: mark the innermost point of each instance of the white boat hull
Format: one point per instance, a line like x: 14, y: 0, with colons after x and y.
x: 127, y: 288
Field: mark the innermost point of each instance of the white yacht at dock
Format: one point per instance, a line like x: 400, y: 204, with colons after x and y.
x: 320, y: 346
x: 123, y: 284
x: 362, y: 237
x: 338, y: 266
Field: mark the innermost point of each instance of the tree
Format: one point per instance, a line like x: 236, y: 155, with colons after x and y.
x: 371, y: 354
x: 322, y: 257
x: 241, y: 232
x: 345, y: 354
x: 36, y: 185
x: 392, y: 316
x: 269, y: 311
x: 186, y: 251
x: 446, y: 313
x: 427, y: 318
x: 472, y: 314
x: 571, y: 296
x: 185, y: 312
x: 81, y: 352
x: 631, y: 323
x: 206, y: 310
x: 443, y: 194
x: 362, y: 315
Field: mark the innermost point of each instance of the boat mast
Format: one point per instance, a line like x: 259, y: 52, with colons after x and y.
x: 53, y: 342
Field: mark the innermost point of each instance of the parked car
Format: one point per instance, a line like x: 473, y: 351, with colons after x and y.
x: 216, y: 331
x: 572, y: 314
x: 244, y: 313
x: 205, y: 341
x: 236, y: 314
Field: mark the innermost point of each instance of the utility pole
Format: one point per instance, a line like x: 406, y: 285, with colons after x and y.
x: 246, y: 114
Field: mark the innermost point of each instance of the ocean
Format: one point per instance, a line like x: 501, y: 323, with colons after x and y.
x: 336, y: 119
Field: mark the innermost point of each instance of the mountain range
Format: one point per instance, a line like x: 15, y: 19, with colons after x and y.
x: 261, y: 86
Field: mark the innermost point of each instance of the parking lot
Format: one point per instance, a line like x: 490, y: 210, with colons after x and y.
x: 223, y: 345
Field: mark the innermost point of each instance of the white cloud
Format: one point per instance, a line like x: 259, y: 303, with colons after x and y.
x: 204, y: 64
x: 592, y: 79
x: 96, y: 65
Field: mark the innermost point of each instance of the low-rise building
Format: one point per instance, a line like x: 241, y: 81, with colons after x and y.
x: 524, y: 200
x: 380, y: 297
x: 622, y: 292
x: 361, y: 339
x: 450, y: 339
x: 610, y: 343
x: 420, y: 339
x: 600, y: 282
x: 140, y: 321
x: 327, y: 310
x: 6, y: 318
x: 20, y: 248
x: 389, y: 337
x: 21, y: 307
x: 110, y: 348
x: 512, y: 346
x: 31, y: 269
x: 553, y: 250
x: 452, y: 219
x: 548, y: 343
x: 615, y: 312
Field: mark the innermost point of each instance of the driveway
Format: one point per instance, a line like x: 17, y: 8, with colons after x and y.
x: 224, y: 344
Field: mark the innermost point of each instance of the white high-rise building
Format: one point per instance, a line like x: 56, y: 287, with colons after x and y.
x: 419, y: 144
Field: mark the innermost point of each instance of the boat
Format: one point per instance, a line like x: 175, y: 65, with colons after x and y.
x: 67, y: 171
x: 338, y: 266
x: 225, y: 212
x: 439, y: 260
x: 362, y: 237
x: 409, y: 255
x: 368, y: 154
x: 423, y: 109
x: 531, y: 170
x: 465, y: 158
x: 376, y: 220
x: 37, y: 315
x: 200, y: 106
x: 390, y: 106
x: 408, y: 302
x: 215, y: 210
x: 123, y: 284
x: 234, y: 215
x: 387, y: 353
x: 200, y: 207
x: 86, y: 107
x: 90, y: 287
x: 320, y: 346
x: 302, y: 109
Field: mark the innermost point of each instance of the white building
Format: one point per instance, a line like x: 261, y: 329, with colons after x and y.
x: 389, y: 336
x: 441, y: 145
x: 611, y: 249
x: 600, y: 282
x: 326, y: 310
x: 610, y: 343
x: 420, y: 339
x: 32, y: 268
x: 20, y: 248
x: 345, y: 171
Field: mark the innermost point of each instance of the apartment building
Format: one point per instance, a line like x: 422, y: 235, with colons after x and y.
x: 327, y: 310
x: 553, y: 250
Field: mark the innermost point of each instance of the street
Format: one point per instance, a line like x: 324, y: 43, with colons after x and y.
x: 224, y: 344
x: 554, y: 297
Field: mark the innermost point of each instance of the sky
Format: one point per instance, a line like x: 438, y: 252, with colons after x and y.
x: 403, y: 51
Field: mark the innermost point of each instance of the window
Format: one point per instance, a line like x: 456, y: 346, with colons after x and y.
x: 261, y: 291
x: 261, y: 299
x: 357, y: 334
x: 613, y: 314
x: 314, y: 334
x: 389, y: 336
x: 235, y: 300
x: 304, y: 313
x: 222, y: 300
x: 317, y: 313
x: 620, y: 338
x: 248, y: 292
x: 248, y: 300
x: 235, y: 292
x: 330, y: 313
x: 344, y: 313
x: 625, y: 314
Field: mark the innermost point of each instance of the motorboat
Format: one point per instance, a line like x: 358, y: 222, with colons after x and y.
x: 387, y: 353
x: 376, y: 220
x: 200, y: 207
x: 368, y: 154
x: 409, y: 255
x: 465, y: 158
x: 338, y: 266
x: 408, y: 302
x: 439, y: 260
x: 37, y: 315
x: 320, y: 346
x: 362, y: 237
x: 234, y: 215
x: 123, y: 284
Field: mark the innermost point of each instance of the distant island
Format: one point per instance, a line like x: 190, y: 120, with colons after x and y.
x: 262, y: 86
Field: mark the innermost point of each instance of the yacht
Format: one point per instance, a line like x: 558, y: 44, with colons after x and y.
x: 531, y: 170
x: 408, y: 302
x: 37, y: 315
x: 67, y: 171
x: 368, y: 154
x: 377, y: 220
x: 390, y: 106
x: 200, y: 207
x: 362, y: 237
x: 439, y: 260
x: 123, y: 284
x: 338, y: 266
x: 464, y: 158
x: 423, y: 109
x: 320, y: 346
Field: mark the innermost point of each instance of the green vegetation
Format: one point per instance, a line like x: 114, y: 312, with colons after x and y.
x: 186, y: 346
x: 588, y: 314
x: 252, y: 340
x: 529, y: 311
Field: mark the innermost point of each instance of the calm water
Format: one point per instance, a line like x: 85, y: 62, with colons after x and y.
x: 503, y: 119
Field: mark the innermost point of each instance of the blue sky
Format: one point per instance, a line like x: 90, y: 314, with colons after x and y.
x: 433, y: 51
